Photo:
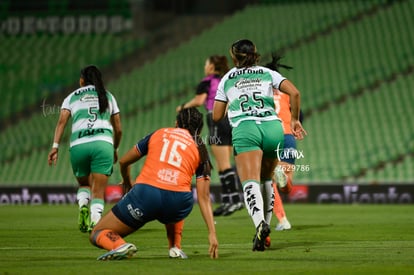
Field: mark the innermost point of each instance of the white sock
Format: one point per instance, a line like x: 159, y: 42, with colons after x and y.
x: 269, y: 201
x: 97, y: 207
x: 83, y: 196
x: 254, y: 201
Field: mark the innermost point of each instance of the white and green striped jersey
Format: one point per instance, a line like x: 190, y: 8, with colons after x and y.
x: 87, y: 123
x: 249, y: 93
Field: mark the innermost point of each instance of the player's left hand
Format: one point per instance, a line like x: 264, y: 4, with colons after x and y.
x: 213, y: 249
x: 298, y: 131
x: 126, y: 186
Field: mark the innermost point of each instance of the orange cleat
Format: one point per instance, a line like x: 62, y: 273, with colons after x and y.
x: 267, y: 241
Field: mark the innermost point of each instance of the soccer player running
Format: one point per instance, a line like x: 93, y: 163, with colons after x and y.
x: 219, y: 135
x: 283, y: 175
x: 96, y: 134
x: 285, y: 168
x: 162, y: 190
x: 246, y: 92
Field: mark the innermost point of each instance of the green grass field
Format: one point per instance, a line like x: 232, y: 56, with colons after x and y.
x: 325, y: 239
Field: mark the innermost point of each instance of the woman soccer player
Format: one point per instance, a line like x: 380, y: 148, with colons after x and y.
x: 219, y: 135
x: 285, y: 168
x: 246, y: 92
x: 96, y: 134
x: 162, y: 190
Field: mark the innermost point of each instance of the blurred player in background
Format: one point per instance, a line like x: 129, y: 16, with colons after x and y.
x: 96, y: 134
x: 162, y: 190
x: 219, y: 135
x: 246, y: 93
x: 284, y: 170
x: 286, y: 166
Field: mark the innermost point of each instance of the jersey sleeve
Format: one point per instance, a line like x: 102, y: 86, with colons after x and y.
x: 66, y: 103
x: 200, y: 169
x: 277, y: 79
x: 142, y: 145
x: 220, y: 95
x: 115, y: 108
x: 203, y: 87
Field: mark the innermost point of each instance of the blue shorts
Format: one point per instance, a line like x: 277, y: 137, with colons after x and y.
x: 289, y: 150
x: 145, y: 203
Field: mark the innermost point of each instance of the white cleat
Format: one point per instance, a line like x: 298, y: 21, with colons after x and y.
x: 283, y: 225
x: 124, y: 251
x: 177, y: 253
x: 281, y: 178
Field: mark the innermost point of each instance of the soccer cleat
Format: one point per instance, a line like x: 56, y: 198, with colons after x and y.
x: 284, y: 184
x: 231, y: 209
x: 240, y: 205
x: 124, y: 251
x: 262, y: 232
x: 283, y: 225
x: 280, y: 177
x: 221, y: 209
x: 84, y: 219
x: 91, y: 226
x: 177, y: 253
x: 267, y: 241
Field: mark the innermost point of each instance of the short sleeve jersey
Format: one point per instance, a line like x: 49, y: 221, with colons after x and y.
x: 208, y: 86
x: 87, y: 123
x: 172, y: 159
x: 249, y: 93
x: 282, y: 103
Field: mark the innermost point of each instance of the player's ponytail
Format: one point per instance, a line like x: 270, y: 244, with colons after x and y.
x: 92, y: 76
x: 275, y: 65
x: 192, y: 120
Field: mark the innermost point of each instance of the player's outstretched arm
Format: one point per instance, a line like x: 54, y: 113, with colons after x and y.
x: 204, y: 202
x: 117, y: 129
x: 60, y: 128
x: 125, y: 162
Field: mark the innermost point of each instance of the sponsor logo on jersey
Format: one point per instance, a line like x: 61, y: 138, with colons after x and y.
x: 245, y: 71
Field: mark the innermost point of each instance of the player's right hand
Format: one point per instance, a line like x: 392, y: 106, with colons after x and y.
x: 52, y: 157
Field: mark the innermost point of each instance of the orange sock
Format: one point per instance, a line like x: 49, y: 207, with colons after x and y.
x: 107, y: 239
x: 178, y: 231
x: 170, y: 234
x: 174, y: 233
x: 278, y: 206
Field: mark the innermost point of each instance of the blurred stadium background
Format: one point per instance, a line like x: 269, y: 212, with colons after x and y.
x: 353, y: 62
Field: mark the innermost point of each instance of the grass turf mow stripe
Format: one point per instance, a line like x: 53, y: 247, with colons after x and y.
x: 324, y: 239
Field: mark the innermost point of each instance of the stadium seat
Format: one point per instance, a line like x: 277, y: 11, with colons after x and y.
x: 335, y: 65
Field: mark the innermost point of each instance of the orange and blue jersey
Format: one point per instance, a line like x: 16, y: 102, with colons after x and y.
x: 172, y: 159
x: 282, y: 106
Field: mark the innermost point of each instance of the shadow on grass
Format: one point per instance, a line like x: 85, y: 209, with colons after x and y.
x: 280, y: 246
x: 310, y: 226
